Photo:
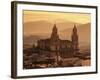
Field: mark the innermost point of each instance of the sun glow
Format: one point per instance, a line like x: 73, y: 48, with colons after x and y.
x: 30, y: 16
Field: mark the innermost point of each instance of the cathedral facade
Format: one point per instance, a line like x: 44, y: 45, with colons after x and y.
x: 53, y: 52
x: 66, y: 48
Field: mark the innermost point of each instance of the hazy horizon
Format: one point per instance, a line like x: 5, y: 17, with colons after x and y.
x: 36, y: 22
x: 53, y: 17
x: 39, y: 24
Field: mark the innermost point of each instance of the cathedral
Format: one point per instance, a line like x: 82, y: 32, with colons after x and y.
x: 53, y: 52
x: 66, y: 48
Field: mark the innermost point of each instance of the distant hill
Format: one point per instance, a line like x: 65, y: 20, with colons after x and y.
x: 66, y: 25
x: 42, y: 29
x: 32, y: 39
x: 83, y: 33
x: 42, y: 26
x: 34, y: 32
x: 37, y: 27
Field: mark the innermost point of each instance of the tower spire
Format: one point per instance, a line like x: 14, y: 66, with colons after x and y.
x: 54, y: 34
x: 75, y: 38
x: 75, y: 30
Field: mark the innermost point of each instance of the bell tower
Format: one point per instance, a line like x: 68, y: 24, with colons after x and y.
x: 54, y: 35
x: 54, y: 40
x: 75, y: 39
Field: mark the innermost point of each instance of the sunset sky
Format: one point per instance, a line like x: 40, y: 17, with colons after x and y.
x: 37, y: 22
x: 56, y: 17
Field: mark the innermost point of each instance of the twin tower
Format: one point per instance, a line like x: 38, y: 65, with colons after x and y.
x: 54, y: 43
x: 74, y: 36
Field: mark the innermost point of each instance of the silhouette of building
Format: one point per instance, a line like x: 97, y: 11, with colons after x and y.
x: 65, y: 48
x: 53, y: 52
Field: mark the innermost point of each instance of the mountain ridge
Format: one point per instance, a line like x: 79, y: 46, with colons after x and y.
x: 83, y: 33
